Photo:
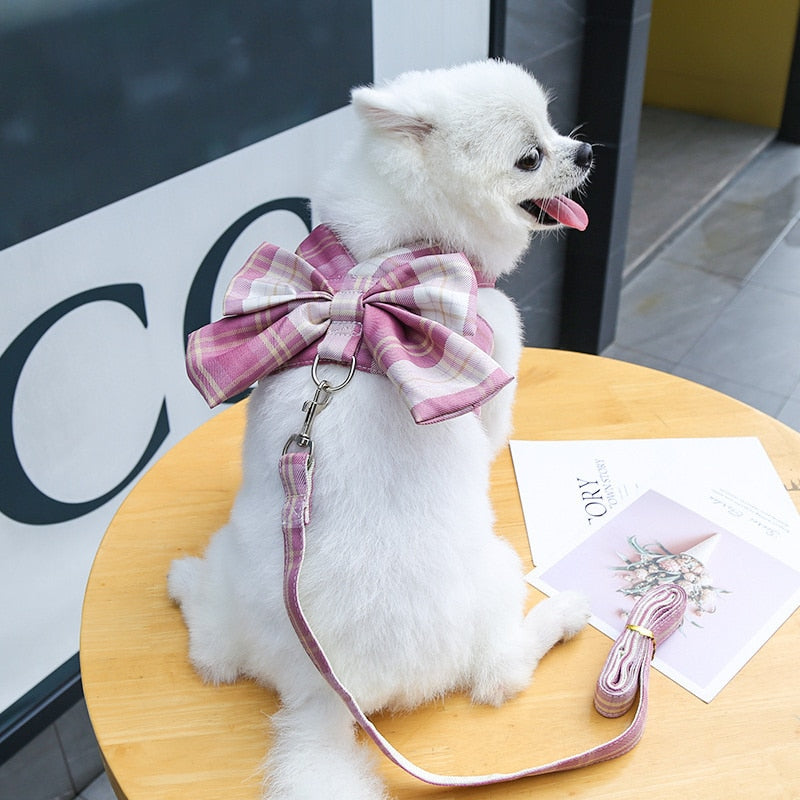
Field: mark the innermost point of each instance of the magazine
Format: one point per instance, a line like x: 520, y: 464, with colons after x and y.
x: 727, y: 532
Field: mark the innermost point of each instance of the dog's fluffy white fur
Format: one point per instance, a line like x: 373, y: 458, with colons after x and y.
x: 404, y: 582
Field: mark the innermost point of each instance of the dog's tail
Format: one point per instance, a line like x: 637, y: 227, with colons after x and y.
x: 315, y: 755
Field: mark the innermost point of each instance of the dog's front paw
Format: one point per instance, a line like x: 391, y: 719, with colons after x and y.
x: 213, y: 644
x: 573, y: 609
x: 182, y: 578
x: 554, y: 620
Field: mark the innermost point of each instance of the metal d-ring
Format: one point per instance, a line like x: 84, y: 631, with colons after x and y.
x: 326, y: 385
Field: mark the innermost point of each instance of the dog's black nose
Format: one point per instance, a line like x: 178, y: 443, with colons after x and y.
x: 583, y: 156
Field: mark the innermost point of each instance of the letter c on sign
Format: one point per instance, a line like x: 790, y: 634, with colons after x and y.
x: 20, y: 499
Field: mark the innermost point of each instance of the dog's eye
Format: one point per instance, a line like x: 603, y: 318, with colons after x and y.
x: 530, y: 161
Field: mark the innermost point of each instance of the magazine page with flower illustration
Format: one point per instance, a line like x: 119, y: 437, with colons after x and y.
x: 615, y: 518
x: 738, y: 594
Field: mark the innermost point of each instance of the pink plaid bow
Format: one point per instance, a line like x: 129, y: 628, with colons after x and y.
x: 413, y: 310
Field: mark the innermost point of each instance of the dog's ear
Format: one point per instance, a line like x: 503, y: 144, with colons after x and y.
x: 385, y: 111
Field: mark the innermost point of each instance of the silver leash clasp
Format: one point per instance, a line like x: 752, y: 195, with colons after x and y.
x: 322, y: 396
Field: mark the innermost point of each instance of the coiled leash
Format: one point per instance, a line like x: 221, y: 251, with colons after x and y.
x: 410, y: 315
x: 654, y: 617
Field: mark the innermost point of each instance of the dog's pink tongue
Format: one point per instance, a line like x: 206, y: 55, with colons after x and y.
x: 566, y: 211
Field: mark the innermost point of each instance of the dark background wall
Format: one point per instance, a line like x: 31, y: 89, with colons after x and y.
x: 592, y: 54
x: 549, y: 45
x: 121, y: 103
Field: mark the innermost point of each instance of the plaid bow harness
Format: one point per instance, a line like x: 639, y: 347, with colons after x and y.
x: 411, y: 315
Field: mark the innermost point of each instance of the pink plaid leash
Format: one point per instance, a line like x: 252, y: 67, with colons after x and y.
x: 654, y: 617
x: 415, y: 310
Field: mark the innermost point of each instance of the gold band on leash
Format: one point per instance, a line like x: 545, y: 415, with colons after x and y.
x: 644, y: 632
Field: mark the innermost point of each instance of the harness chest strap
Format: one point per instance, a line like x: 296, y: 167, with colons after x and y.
x: 653, y: 618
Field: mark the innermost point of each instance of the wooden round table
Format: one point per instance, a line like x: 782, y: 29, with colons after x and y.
x: 165, y: 735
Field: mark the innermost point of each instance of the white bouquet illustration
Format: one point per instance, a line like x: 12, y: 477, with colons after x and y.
x: 657, y: 565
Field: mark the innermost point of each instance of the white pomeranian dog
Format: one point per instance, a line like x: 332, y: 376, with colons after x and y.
x: 405, y: 584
